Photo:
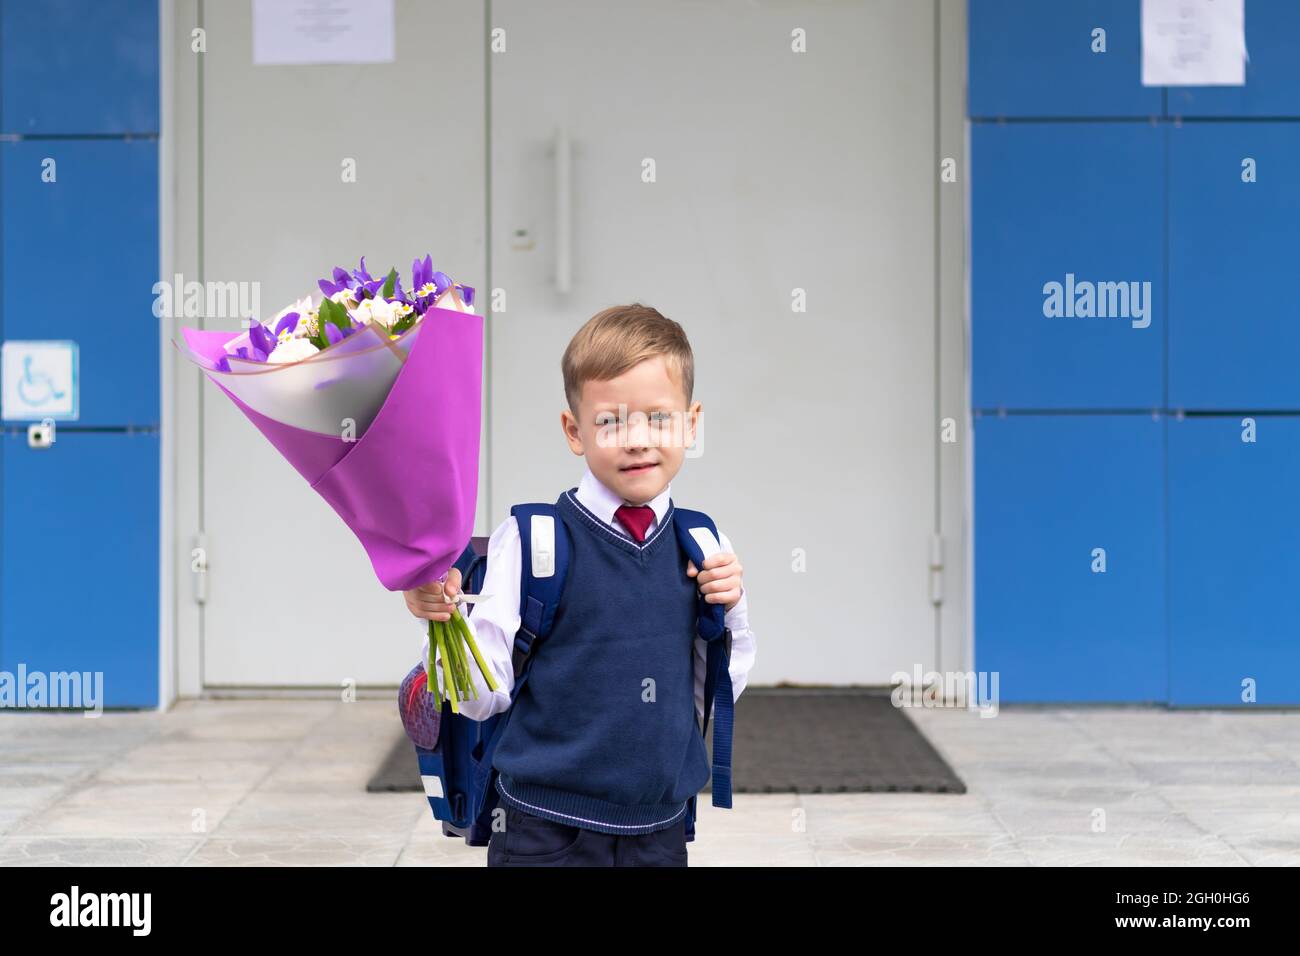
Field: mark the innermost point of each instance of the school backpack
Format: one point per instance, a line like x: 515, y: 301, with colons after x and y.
x: 457, y: 770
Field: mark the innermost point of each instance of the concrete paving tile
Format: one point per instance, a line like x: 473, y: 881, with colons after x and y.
x: 279, y: 814
x: 184, y: 750
x: 752, y: 815
x: 1268, y: 851
x: 860, y: 817
x: 1129, y: 849
x: 1222, y: 796
x: 145, y: 766
x: 18, y: 776
x: 95, y: 851
x: 315, y: 773
x: 919, y: 849
x: 1218, y: 771
x: 727, y: 850
x: 1236, y: 827
x: 427, y: 846
x: 133, y: 810
x: 306, y: 851
x: 1121, y: 820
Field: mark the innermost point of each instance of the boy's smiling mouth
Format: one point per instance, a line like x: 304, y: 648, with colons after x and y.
x: 638, y: 467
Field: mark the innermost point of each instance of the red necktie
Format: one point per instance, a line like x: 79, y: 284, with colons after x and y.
x: 636, y: 518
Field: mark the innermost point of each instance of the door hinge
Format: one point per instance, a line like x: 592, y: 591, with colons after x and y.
x: 936, y: 569
x: 199, y: 567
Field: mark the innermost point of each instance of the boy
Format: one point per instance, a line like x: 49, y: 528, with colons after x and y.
x: 600, y: 752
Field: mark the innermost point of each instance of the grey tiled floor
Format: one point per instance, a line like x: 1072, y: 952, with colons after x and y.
x: 220, y: 782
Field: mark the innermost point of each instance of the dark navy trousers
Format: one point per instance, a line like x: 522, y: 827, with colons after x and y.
x: 529, y: 840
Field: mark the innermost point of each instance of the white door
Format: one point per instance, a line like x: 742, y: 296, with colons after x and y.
x: 774, y: 171
x: 292, y: 599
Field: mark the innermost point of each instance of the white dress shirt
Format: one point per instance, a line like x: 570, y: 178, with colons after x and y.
x: 495, y: 620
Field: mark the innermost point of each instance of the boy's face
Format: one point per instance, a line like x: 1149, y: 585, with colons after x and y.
x: 634, y: 430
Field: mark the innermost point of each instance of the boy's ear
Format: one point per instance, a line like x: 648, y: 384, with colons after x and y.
x: 692, y: 422
x: 571, y: 433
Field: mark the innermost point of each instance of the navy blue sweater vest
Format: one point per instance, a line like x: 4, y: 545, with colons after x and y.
x: 603, y: 735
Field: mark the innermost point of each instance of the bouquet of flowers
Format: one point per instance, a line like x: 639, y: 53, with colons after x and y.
x: 359, y: 392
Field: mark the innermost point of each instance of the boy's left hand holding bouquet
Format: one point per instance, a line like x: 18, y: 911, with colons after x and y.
x: 360, y: 393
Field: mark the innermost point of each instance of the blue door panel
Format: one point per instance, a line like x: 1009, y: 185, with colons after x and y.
x: 80, y: 261
x: 1049, y: 489
x: 1051, y: 200
x: 1234, y: 520
x: 79, y: 582
x: 1233, y: 335
x: 1034, y: 58
x: 78, y: 67
x: 1272, y: 70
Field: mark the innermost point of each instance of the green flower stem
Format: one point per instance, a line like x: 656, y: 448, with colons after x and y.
x: 457, y: 659
x: 458, y: 623
x: 432, y: 681
x: 464, y: 683
x: 447, y: 670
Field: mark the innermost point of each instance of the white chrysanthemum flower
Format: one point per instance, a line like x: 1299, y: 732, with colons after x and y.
x: 306, y: 326
x: 291, y: 350
x: 301, y: 306
x: 346, y: 298
x: 375, y: 311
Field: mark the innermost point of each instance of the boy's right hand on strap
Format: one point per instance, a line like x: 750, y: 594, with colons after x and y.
x: 433, y: 601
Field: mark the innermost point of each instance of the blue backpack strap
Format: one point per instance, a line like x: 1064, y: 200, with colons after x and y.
x: 712, y: 629
x: 544, y: 548
x: 544, y: 545
x: 468, y: 565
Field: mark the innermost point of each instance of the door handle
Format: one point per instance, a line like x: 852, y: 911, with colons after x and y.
x: 563, y: 211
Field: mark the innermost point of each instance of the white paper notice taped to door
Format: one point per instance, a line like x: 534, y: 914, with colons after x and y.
x: 323, y: 31
x: 1194, y: 42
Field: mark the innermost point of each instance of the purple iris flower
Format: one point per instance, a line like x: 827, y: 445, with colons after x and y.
x: 252, y: 354
x: 260, y: 340
x: 367, y: 285
x: 398, y: 295
x: 424, y: 275
x: 421, y: 273
x: 442, y: 281
x: 335, y: 334
x: 259, y: 344
x: 290, y: 322
x: 341, y: 281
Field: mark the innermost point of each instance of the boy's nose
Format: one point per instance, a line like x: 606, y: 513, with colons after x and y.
x: 638, y: 435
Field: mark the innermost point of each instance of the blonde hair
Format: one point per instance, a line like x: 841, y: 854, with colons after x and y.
x: 620, y: 337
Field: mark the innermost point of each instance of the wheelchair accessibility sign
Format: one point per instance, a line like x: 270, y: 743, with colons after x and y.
x: 38, y: 380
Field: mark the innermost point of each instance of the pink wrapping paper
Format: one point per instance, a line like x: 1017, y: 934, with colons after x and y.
x: 408, y: 486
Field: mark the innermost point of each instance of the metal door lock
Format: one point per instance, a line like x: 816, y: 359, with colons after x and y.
x: 41, y: 434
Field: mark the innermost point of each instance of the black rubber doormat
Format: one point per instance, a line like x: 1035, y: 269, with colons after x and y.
x: 794, y: 741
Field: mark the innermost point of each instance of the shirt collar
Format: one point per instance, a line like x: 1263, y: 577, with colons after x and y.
x: 602, y: 502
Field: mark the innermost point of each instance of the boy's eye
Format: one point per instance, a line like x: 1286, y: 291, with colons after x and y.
x: 611, y: 419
